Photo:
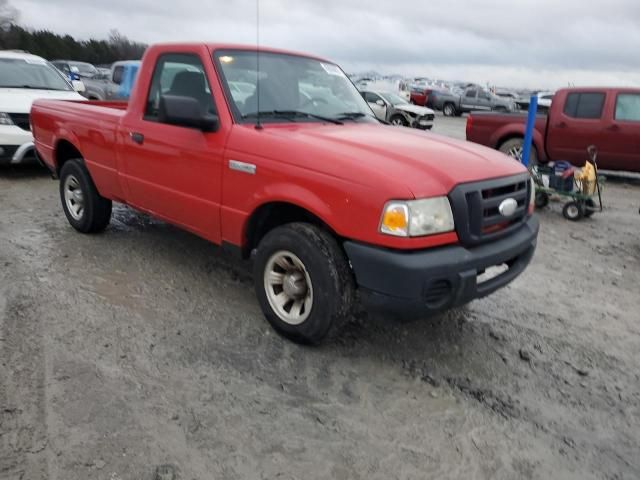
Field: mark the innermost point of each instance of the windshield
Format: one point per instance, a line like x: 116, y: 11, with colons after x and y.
x: 394, y: 99
x: 84, y: 69
x: 312, y: 89
x: 30, y: 73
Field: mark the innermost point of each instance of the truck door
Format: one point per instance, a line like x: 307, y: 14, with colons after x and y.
x: 575, y: 126
x: 170, y: 170
x: 377, y: 104
x: 620, y: 148
x: 469, y: 100
x: 484, y: 101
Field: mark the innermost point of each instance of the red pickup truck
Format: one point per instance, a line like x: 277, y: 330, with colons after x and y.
x: 288, y: 165
x: 608, y: 118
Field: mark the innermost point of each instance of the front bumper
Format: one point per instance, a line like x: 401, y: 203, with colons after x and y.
x: 16, y: 144
x: 424, y: 122
x: 429, y: 281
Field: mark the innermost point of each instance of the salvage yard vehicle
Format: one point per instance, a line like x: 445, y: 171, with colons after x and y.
x: 394, y: 109
x: 609, y: 118
x: 24, y: 78
x: 438, y: 99
x: 325, y: 198
x: 419, y: 95
x: 478, y: 99
x: 114, y: 85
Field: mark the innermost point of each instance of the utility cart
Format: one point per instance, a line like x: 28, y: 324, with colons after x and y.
x: 579, y: 190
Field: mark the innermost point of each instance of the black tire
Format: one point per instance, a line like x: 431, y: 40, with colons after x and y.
x: 332, y: 284
x: 573, y: 211
x: 513, y: 145
x: 401, y: 121
x: 500, y: 109
x: 96, y: 211
x: 449, y: 110
x: 541, y: 200
x: 590, y: 207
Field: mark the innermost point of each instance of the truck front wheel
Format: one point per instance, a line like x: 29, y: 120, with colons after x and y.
x: 86, y: 210
x: 302, y: 281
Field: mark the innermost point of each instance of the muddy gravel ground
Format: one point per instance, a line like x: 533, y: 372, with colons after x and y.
x: 141, y: 353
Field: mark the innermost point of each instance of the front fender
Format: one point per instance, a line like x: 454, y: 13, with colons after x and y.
x: 235, y: 222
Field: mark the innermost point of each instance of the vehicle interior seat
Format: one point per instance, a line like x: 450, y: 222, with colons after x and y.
x: 192, y: 84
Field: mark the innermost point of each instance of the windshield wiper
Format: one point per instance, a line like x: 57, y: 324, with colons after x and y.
x: 291, y: 114
x: 354, y: 115
x: 351, y: 115
x: 32, y: 87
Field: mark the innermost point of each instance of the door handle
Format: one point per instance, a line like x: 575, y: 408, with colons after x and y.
x: 561, y: 125
x: 137, y: 137
x: 613, y: 128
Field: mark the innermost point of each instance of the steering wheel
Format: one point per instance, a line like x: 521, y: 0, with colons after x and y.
x: 313, y: 101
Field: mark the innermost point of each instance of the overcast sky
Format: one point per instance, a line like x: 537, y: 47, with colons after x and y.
x: 522, y: 43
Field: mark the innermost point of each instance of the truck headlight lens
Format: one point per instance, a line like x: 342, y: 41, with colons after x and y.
x: 5, y: 119
x: 417, y: 218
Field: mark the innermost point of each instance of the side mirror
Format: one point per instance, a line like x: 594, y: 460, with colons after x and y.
x: 380, y: 102
x: 185, y: 112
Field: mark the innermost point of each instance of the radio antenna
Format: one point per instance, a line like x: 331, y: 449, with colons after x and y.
x: 258, y: 124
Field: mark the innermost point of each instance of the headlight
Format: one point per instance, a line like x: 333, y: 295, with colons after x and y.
x: 5, y: 119
x: 416, y: 218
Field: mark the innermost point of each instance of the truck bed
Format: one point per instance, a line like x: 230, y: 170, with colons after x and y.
x: 94, y: 126
x: 492, y: 129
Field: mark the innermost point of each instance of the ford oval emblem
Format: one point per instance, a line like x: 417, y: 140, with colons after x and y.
x: 508, y: 207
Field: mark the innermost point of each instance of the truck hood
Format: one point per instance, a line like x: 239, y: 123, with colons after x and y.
x: 417, y: 109
x: 19, y: 100
x: 375, y: 155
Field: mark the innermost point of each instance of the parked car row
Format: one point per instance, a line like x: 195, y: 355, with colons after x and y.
x: 102, y: 84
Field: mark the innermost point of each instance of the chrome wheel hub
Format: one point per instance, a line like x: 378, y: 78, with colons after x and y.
x: 516, y: 152
x: 73, y: 197
x: 288, y: 287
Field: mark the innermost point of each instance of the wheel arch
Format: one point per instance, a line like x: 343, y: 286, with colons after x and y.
x: 501, y: 137
x: 64, y: 151
x: 273, y: 214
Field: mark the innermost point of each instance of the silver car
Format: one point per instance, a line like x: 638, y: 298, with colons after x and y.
x: 396, y: 110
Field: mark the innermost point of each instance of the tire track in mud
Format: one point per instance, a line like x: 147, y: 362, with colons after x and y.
x: 23, y: 427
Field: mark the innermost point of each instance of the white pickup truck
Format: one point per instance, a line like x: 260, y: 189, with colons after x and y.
x: 23, y: 79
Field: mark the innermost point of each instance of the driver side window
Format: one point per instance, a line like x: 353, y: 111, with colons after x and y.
x: 179, y: 74
x: 371, y: 97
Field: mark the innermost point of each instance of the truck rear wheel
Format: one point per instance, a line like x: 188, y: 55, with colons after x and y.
x: 302, y: 281
x: 85, y: 209
x: 514, y: 149
x: 449, y: 110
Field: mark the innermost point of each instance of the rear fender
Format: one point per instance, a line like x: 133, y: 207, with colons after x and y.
x: 513, y: 131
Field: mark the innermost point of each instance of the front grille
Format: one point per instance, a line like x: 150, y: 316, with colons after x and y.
x: 476, y: 205
x: 21, y: 120
x: 430, y: 116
